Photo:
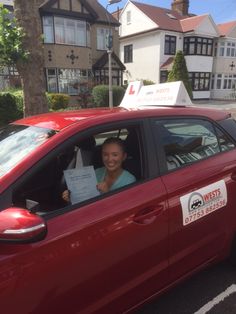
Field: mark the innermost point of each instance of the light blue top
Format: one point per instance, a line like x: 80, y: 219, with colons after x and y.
x: 125, y: 178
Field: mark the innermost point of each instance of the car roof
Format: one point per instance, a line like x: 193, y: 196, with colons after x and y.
x: 60, y: 120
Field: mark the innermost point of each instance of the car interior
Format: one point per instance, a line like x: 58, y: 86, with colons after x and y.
x: 42, y: 188
x: 183, y: 149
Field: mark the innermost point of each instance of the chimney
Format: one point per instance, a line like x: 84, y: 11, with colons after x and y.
x: 180, y: 6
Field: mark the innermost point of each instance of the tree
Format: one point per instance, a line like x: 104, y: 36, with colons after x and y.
x: 21, y: 46
x: 179, y: 72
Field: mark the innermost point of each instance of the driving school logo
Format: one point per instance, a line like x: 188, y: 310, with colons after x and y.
x: 203, y: 202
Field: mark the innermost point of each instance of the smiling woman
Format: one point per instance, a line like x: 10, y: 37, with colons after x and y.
x: 112, y: 175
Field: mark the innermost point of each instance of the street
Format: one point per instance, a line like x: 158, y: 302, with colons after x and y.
x: 229, y: 105
x: 211, y: 291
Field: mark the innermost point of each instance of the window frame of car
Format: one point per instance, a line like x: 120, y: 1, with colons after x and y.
x: 148, y: 164
x: 224, y: 126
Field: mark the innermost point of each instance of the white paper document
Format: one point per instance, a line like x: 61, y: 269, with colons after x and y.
x: 81, y: 183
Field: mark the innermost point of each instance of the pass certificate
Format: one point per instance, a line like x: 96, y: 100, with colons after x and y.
x: 81, y: 183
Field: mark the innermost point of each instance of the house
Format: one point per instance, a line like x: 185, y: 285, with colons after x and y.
x: 75, y: 36
x: 150, y: 37
x: 223, y: 82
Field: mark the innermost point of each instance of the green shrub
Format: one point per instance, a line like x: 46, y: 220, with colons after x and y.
x: 8, y: 108
x: 19, y: 101
x: 100, y: 95
x: 118, y: 94
x: 57, y: 101
x: 148, y: 82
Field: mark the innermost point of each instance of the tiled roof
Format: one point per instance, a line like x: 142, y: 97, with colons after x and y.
x: 167, y: 64
x: 164, y: 18
x: 170, y: 19
x: 191, y: 23
x: 225, y: 28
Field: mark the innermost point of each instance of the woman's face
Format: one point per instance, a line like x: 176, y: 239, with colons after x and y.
x: 113, y: 156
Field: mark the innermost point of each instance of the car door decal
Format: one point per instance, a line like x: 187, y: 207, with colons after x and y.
x: 204, y: 201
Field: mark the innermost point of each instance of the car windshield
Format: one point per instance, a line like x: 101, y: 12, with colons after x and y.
x: 17, y: 141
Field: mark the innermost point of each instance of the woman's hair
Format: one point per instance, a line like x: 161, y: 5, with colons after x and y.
x: 115, y: 140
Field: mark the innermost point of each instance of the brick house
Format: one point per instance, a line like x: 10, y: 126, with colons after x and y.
x: 75, y: 37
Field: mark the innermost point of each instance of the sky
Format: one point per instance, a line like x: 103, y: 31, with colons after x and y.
x: 220, y: 10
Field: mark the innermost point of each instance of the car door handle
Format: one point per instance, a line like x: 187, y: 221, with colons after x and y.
x: 148, y: 215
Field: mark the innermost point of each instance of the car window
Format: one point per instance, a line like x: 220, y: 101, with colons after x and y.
x: 17, y: 141
x: 43, y: 188
x: 187, y: 141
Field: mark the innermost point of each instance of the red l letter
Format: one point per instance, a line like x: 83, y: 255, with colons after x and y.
x: 131, y: 91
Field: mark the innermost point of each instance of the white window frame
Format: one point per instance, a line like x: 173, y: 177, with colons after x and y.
x: 128, y: 17
x: 67, y: 31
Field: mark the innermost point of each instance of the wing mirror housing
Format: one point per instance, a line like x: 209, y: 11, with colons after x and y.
x: 18, y: 225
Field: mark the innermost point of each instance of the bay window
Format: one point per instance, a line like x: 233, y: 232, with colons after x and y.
x: 68, y: 31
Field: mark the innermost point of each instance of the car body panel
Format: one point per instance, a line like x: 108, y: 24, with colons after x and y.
x: 204, y: 238
x: 85, y: 235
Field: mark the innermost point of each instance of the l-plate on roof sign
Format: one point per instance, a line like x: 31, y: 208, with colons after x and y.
x: 165, y: 94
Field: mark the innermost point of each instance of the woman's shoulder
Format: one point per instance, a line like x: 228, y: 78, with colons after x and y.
x: 128, y: 176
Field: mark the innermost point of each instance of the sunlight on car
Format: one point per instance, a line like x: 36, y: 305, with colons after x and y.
x: 16, y: 142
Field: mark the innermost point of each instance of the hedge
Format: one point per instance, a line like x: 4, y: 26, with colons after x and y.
x: 9, y: 110
x: 100, y: 95
x: 57, y: 101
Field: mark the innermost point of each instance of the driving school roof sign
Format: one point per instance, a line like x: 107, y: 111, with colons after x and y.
x: 165, y: 94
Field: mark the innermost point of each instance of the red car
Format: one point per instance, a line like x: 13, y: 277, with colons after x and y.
x: 113, y: 251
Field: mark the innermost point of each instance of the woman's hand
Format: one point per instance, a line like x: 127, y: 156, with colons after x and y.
x: 102, y: 187
x: 66, y: 196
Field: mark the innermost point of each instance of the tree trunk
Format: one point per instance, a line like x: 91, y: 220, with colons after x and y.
x: 32, y: 70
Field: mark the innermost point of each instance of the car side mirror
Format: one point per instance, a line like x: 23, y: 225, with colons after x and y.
x: 18, y: 225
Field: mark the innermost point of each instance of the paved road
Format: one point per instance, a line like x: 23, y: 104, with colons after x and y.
x: 212, y: 291
x: 218, y: 104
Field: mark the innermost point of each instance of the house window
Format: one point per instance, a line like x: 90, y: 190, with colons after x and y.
x: 198, y: 46
x: 213, y: 81
x: 218, y: 81
x: 226, y: 81
x: 200, y: 81
x: 128, y: 53
x: 67, y: 81
x: 128, y: 17
x: 102, y: 35
x: 170, y: 45
x: 48, y: 29
x: 215, y: 49
x: 52, y: 80
x: 61, y: 30
x: 222, y: 49
x: 163, y: 76
x: 231, y: 50
x: 229, y: 81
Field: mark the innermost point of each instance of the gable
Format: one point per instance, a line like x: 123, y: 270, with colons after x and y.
x: 139, y: 22
x: 207, y: 27
x: 68, y: 7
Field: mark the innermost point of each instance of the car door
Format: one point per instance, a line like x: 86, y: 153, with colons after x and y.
x: 199, y: 174
x: 106, y: 254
